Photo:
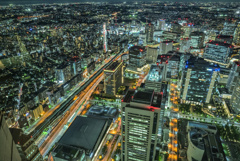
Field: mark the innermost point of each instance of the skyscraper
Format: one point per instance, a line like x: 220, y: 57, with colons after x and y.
x: 233, y: 76
x: 8, y: 150
x: 236, y: 38
x: 149, y: 29
x: 228, y: 28
x: 161, y: 24
x: 171, y: 63
x: 140, y: 125
x: 235, y: 100
x: 166, y: 46
x: 104, y: 38
x: 113, y: 78
x: 197, y: 39
x: 217, y: 52
x: 184, y: 45
x: 154, y: 78
x: 152, y: 53
x: 198, y: 80
x: 137, y: 56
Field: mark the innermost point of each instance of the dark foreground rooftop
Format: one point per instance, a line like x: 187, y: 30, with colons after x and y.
x: 84, y: 132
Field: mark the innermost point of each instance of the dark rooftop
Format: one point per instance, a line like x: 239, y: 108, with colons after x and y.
x: 143, y: 96
x: 220, y: 43
x: 224, y: 37
x: 83, y: 132
x: 67, y: 152
x: 137, y: 48
x: 128, y: 96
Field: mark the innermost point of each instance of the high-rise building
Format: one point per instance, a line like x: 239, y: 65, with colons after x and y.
x: 235, y: 99
x: 152, y: 53
x: 140, y: 125
x: 236, y: 38
x: 217, y: 52
x: 113, y: 78
x: 8, y: 149
x: 170, y: 36
x: 137, y: 55
x: 186, y: 31
x: 171, y: 63
x: 105, y: 48
x: 161, y: 25
x: 63, y: 73
x: 154, y: 78
x: 224, y: 39
x: 197, y: 39
x: 233, y: 76
x: 176, y: 27
x: 76, y: 65
x: 149, y: 29
x: 26, y: 145
x: 157, y: 35
x: 210, y: 36
x: 228, y: 28
x: 166, y: 46
x: 184, y: 45
x: 142, y: 39
x: 198, y: 80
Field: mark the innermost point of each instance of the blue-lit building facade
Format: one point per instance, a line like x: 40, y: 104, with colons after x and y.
x: 199, y: 79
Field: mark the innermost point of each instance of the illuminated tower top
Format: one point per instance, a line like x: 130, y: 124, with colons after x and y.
x: 104, y: 38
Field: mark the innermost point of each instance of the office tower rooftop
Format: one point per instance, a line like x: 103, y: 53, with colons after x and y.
x: 218, y: 52
x: 141, y: 125
x: 155, y: 78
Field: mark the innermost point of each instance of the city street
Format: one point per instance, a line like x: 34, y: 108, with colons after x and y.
x: 112, y: 145
x: 84, y: 95
x: 44, y: 148
x: 55, y: 107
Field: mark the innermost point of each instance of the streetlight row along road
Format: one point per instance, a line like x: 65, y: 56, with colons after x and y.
x: 83, y: 93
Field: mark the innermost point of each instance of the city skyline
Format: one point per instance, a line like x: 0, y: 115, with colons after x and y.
x: 112, y: 1
x: 120, y: 81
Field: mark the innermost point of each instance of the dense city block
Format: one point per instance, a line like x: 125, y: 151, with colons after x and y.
x: 120, y: 81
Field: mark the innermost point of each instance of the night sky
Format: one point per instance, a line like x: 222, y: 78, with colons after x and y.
x: 6, y: 2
